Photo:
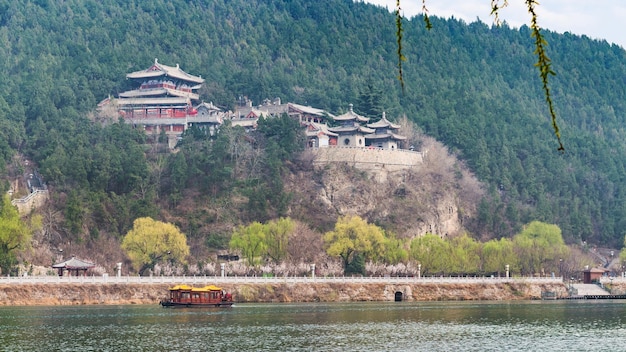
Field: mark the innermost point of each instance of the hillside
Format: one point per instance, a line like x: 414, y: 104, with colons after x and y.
x: 473, y: 87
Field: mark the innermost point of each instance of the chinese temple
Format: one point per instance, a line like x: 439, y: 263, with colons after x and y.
x: 384, y: 135
x: 350, y: 132
x: 163, y: 101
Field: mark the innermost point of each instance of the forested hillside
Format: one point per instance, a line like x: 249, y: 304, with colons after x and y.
x: 471, y: 86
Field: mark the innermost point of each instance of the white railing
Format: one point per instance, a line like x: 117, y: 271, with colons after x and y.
x: 205, y: 280
x: 30, y: 196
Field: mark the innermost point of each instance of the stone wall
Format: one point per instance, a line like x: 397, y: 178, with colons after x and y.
x: 369, y: 158
x: 70, y: 294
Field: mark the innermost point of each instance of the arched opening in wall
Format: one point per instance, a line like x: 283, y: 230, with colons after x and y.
x: 360, y: 141
x: 346, y: 141
x: 398, y: 296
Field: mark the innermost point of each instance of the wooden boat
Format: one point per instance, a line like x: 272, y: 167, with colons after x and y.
x: 188, y: 296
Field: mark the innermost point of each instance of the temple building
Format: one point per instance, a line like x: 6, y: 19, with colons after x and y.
x: 383, y: 136
x: 166, y: 100
x: 209, y: 118
x: 274, y: 108
x: 350, y: 132
x: 318, y: 135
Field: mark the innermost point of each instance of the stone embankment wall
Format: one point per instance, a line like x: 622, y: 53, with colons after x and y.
x: 82, y: 293
x: 369, y: 158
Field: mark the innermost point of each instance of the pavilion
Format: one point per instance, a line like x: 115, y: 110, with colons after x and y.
x: 73, y: 264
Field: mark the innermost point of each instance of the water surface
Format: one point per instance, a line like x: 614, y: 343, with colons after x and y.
x: 374, y: 326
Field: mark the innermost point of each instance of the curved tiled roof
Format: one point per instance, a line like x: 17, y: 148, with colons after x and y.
x: 308, y: 110
x: 351, y: 115
x: 158, y: 70
x: 383, y: 123
x: 385, y: 136
x: 352, y: 128
x: 74, y: 264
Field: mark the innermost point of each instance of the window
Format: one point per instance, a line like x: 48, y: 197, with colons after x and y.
x: 346, y: 141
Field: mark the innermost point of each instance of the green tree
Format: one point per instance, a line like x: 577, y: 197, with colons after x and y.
x: 464, y: 255
x: 250, y: 241
x: 14, y: 234
x: 395, y: 251
x: 277, y: 238
x: 74, y: 213
x: 431, y: 251
x: 150, y: 242
x: 539, y: 247
x: 497, y: 254
x: 354, y: 237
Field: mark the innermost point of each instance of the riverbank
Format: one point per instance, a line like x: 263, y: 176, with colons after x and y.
x: 86, y: 293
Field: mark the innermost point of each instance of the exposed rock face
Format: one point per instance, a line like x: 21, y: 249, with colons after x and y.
x: 71, y: 294
x: 435, y: 196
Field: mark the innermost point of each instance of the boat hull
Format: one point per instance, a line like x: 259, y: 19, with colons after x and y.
x: 168, y: 304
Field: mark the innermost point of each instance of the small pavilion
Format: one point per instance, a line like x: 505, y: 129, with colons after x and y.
x: 73, y: 264
x: 593, y: 275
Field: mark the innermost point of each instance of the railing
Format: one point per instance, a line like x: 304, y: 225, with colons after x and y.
x: 203, y: 280
x: 368, y: 148
x: 30, y: 196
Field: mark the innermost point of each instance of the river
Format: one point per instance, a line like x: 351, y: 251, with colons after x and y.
x: 584, y: 325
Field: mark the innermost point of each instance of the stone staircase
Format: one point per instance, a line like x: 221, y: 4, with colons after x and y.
x: 590, y: 290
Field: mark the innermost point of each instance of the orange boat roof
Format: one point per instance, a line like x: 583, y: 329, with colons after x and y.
x: 195, y: 289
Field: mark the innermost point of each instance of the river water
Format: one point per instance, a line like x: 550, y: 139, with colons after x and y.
x: 584, y: 325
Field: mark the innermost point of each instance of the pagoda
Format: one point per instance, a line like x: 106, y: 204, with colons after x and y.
x: 384, y: 134
x: 350, y: 132
x: 164, y: 99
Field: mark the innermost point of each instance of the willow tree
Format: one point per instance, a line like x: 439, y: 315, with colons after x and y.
x: 150, y: 242
x: 250, y: 241
x: 543, y: 61
x: 432, y: 252
x: 354, y: 241
x: 277, y: 238
x: 539, y: 247
x: 497, y: 254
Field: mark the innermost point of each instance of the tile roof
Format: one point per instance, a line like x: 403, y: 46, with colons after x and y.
x: 158, y: 70
x: 74, y: 263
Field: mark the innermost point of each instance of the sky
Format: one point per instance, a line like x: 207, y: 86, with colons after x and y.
x: 597, y: 19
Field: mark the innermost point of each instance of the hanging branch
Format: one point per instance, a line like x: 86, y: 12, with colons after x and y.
x: 399, y: 31
x: 495, y: 10
x: 429, y: 25
x: 543, y: 63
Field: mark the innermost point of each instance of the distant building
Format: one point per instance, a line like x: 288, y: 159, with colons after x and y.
x: 209, y: 118
x: 274, y: 108
x: 350, y: 131
x: 164, y: 101
x: 318, y: 135
x: 384, y: 135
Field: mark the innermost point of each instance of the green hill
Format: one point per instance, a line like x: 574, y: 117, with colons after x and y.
x: 471, y: 86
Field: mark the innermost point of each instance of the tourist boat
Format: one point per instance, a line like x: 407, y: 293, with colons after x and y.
x: 188, y: 296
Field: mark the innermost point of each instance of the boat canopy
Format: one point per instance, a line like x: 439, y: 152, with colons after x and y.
x: 195, y: 289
